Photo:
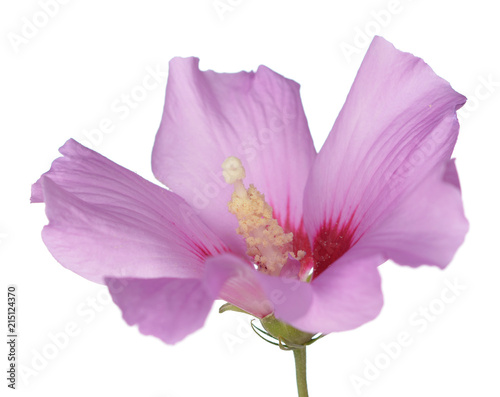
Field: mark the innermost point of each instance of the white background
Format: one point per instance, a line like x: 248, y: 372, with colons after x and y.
x: 66, y: 78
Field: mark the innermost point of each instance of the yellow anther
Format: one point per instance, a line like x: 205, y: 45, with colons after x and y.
x: 266, y: 241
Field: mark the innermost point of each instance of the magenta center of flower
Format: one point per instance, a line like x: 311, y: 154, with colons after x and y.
x: 331, y: 242
x: 268, y: 244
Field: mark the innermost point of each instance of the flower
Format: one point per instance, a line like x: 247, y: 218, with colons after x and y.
x: 304, y: 233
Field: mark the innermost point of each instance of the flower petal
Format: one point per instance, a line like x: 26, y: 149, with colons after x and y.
x: 210, y: 116
x: 398, y: 123
x: 171, y: 308
x: 427, y: 227
x: 243, y: 289
x: 107, y: 221
x: 345, y: 296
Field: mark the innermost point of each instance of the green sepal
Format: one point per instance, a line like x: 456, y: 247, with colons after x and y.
x: 228, y: 307
x: 285, y: 332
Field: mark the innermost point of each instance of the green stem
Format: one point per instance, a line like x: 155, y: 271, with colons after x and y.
x: 300, y: 371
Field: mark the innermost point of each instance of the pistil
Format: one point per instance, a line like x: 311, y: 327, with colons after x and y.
x: 267, y: 243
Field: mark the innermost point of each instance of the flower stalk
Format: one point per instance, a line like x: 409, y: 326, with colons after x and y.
x: 300, y: 371
x: 290, y: 338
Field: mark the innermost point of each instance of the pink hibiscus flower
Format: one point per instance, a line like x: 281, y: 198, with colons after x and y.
x: 305, y: 240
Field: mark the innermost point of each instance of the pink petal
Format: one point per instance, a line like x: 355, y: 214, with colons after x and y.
x: 427, y: 227
x: 171, y: 308
x: 343, y: 297
x: 210, y: 116
x: 243, y: 289
x: 397, y: 125
x: 107, y: 221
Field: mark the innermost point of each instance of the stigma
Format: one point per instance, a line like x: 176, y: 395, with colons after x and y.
x: 266, y: 241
